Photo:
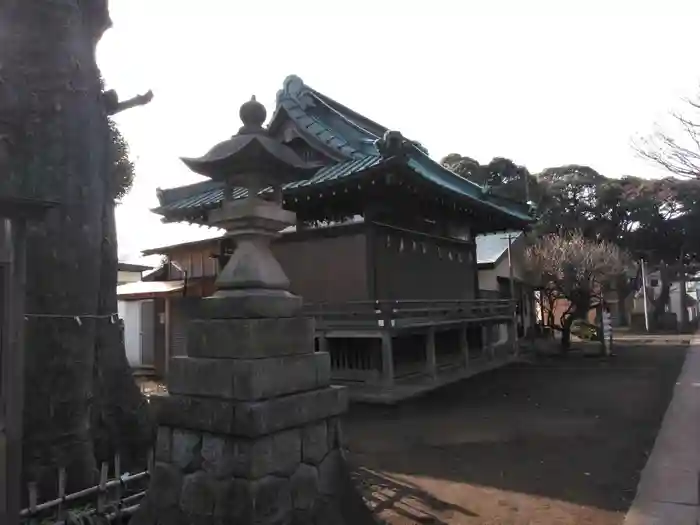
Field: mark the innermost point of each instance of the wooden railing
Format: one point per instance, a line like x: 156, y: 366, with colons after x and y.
x: 112, y: 500
x: 406, y: 313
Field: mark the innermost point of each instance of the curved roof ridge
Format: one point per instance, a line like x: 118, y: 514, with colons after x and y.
x: 290, y: 99
x: 462, y: 185
x: 461, y: 178
x: 295, y: 87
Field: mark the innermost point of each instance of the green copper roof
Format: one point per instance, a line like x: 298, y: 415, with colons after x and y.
x: 352, y: 142
x: 455, y: 183
x: 205, y: 195
x: 342, y: 133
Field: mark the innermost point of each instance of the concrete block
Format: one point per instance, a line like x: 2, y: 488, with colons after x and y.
x: 186, y: 450
x: 278, y: 453
x: 250, y: 419
x: 221, y: 456
x: 304, y: 487
x: 248, y: 379
x: 272, y: 500
x: 231, y: 504
x: 329, y: 473
x: 198, y: 494
x: 250, y: 338
x: 335, y: 434
x: 291, y: 411
x: 314, y: 442
x: 166, y: 483
x: 267, y: 501
x: 164, y: 444
x: 245, y: 305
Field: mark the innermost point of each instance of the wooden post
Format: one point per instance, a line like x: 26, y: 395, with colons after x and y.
x: 511, y: 279
x: 322, y: 343
x: 464, y: 345
x: 486, y: 341
x: 12, y: 276
x: 167, y: 336
x: 14, y: 213
x: 8, y: 510
x: 387, y: 360
x: 430, y: 359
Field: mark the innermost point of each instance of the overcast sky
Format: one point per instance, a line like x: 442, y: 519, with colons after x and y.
x: 544, y: 83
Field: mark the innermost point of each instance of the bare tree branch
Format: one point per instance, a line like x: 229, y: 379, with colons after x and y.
x: 579, y: 269
x: 678, y: 153
x: 113, y: 106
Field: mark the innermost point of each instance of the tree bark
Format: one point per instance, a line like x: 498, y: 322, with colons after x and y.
x: 120, y: 420
x: 53, y: 145
x: 660, y: 302
x: 566, y: 323
x: 578, y: 308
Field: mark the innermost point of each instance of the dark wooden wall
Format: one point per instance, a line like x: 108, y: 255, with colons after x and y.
x: 326, y: 265
x: 413, y: 265
x: 358, y: 262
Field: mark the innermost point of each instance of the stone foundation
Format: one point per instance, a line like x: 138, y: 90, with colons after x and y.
x: 250, y: 431
x: 275, y: 479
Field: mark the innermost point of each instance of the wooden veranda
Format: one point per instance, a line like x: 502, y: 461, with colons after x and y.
x: 387, y: 351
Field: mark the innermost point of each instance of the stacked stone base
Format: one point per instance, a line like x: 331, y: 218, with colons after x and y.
x: 249, y: 433
x: 282, y: 478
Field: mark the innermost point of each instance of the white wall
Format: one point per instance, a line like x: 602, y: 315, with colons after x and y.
x: 128, y: 277
x: 130, y: 313
x: 488, y: 280
x: 674, y: 302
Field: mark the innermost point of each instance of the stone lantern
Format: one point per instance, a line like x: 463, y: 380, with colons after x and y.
x: 252, y: 284
x: 249, y: 432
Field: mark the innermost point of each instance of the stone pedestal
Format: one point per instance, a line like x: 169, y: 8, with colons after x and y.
x: 249, y: 433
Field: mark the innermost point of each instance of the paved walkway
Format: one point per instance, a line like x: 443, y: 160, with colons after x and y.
x: 668, y: 490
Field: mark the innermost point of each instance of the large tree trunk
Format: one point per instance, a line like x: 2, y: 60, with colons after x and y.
x: 566, y: 323
x: 120, y: 417
x: 578, y: 309
x: 53, y: 145
x: 660, y: 302
x: 623, y: 292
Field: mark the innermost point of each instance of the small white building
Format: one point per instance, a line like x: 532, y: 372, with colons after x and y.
x: 494, y: 276
x: 130, y: 273
x: 654, y: 286
x: 132, y: 313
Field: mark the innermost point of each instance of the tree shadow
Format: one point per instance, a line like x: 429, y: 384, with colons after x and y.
x: 575, y: 430
x: 384, y: 494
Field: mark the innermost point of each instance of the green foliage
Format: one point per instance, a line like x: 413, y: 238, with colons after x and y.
x: 501, y: 175
x: 584, y: 330
x: 657, y: 219
x: 122, y: 169
x: 654, y: 219
x: 577, y: 269
x: 574, y: 266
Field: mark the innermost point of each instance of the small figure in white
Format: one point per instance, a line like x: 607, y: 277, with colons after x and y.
x: 607, y: 331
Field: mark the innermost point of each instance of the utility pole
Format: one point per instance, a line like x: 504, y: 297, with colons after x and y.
x: 526, y: 177
x: 644, y: 291
x: 511, y: 281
